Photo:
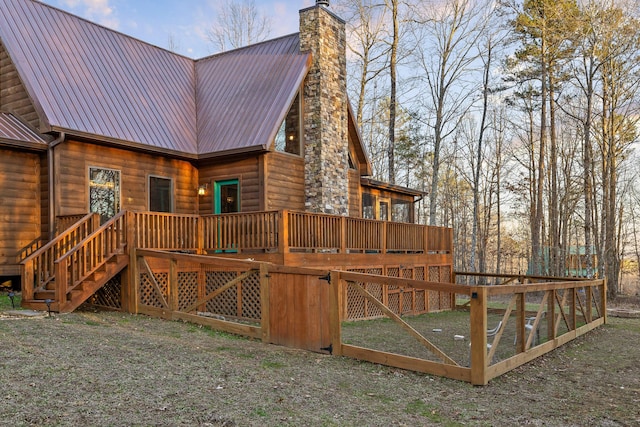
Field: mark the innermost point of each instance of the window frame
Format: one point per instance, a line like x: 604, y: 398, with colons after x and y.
x: 171, y: 192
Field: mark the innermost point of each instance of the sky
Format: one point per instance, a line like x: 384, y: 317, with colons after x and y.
x: 185, y: 22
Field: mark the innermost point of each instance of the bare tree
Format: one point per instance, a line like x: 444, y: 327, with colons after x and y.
x: 239, y: 23
x: 366, y: 29
x: 448, y: 36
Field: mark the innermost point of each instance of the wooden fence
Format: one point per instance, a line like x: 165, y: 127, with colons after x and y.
x: 507, y: 325
x: 308, y: 309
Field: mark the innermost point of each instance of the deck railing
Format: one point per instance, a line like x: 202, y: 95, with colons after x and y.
x: 38, y: 269
x: 241, y: 232
x: 286, y: 232
x: 174, y: 232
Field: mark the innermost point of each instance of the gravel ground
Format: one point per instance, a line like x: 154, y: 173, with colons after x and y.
x: 105, y: 368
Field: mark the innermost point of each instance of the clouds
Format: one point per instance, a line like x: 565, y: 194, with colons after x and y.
x: 99, y: 11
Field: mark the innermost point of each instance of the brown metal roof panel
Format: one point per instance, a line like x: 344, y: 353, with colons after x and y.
x: 94, y: 80
x: 243, y: 95
x: 12, y: 128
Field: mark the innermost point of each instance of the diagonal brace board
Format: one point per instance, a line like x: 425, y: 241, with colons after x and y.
x: 428, y: 344
x: 496, y: 339
x: 154, y: 283
x: 218, y: 291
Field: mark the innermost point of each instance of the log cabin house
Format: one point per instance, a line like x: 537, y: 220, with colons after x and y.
x: 94, y: 121
x: 123, y: 163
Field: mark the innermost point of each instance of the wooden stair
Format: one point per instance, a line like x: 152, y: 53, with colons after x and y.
x: 82, y: 292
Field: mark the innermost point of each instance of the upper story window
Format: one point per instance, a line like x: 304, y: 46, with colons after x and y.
x: 288, y: 136
x: 160, y: 194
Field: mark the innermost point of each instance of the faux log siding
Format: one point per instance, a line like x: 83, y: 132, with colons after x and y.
x: 19, y: 198
x: 354, y: 194
x: 247, y: 171
x: 285, y: 182
x: 13, y: 95
x: 73, y: 160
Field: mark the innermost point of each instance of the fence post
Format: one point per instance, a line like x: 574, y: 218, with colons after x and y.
x: 283, y: 232
x: 603, y: 299
x: 551, y: 315
x: 61, y: 279
x: 129, y: 290
x: 200, y: 237
x: 335, y: 306
x: 521, y: 339
x: 478, y: 319
x: 383, y: 246
x: 265, y: 314
x: 27, y: 273
x: 343, y: 235
x: 173, y: 285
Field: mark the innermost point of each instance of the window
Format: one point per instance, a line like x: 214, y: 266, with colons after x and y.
x: 401, y: 211
x: 160, y: 194
x: 384, y: 210
x: 368, y: 206
x: 288, y: 136
x: 104, y: 192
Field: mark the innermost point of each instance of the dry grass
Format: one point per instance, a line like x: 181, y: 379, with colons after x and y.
x: 103, y: 368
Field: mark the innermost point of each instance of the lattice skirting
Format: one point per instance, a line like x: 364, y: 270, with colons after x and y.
x: 240, y: 301
x: 400, y: 301
x: 110, y: 295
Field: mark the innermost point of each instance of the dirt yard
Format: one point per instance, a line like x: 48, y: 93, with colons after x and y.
x: 104, y: 368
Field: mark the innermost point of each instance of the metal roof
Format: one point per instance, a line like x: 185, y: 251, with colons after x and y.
x: 90, y: 81
x: 243, y: 95
x: 12, y: 129
x: 87, y: 78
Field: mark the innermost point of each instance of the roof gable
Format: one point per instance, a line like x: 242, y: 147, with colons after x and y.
x: 243, y: 95
x: 88, y: 79
x: 13, y: 132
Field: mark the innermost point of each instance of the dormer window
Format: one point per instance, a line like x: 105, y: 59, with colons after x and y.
x: 288, y: 136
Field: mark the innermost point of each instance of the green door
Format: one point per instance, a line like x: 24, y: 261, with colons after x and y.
x: 226, y: 199
x: 226, y: 196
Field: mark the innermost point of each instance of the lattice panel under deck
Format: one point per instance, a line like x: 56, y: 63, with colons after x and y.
x: 148, y: 294
x: 420, y: 306
x: 187, y: 289
x: 225, y: 304
x: 355, y: 302
x: 110, y: 295
x: 251, y: 297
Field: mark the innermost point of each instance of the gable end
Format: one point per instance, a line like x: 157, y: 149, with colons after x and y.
x: 13, y: 94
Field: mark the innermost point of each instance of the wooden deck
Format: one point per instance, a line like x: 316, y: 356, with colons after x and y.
x: 251, y: 274
x: 85, y: 253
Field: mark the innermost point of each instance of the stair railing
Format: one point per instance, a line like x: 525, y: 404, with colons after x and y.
x: 38, y: 269
x: 73, y: 267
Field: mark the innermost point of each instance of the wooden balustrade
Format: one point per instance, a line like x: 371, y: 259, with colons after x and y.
x: 154, y: 230
x: 38, y: 269
x: 89, y: 254
x: 63, y: 222
x: 285, y: 231
x: 439, y: 239
x: 365, y: 235
x: 240, y: 232
x: 403, y: 237
x: 314, y: 231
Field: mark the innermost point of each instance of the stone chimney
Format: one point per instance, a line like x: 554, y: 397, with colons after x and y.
x: 325, y: 111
